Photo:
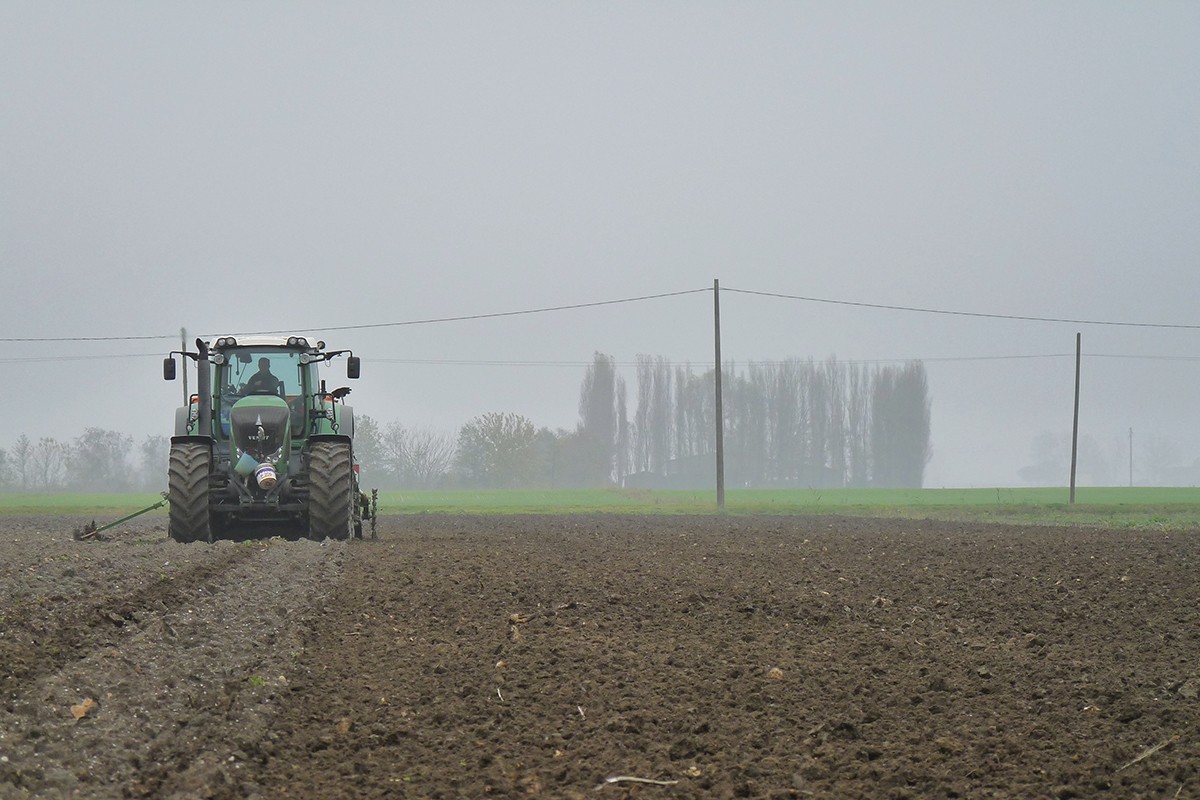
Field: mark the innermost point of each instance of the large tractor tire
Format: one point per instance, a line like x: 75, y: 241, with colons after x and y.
x: 187, y: 485
x: 330, y: 491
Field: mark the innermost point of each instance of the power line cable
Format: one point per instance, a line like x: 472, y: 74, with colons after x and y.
x: 466, y: 317
x: 474, y: 362
x: 86, y: 338
x: 451, y: 362
x: 574, y: 306
x: 365, y: 326
x: 101, y: 357
x: 947, y: 312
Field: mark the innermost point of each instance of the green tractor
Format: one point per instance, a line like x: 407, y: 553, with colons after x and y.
x: 262, y: 444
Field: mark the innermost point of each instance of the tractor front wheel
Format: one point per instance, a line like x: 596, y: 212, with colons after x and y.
x: 330, y: 491
x: 187, y: 485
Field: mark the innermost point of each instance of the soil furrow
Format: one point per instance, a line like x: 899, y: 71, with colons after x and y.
x: 44, y: 635
x: 182, y: 685
x: 540, y: 656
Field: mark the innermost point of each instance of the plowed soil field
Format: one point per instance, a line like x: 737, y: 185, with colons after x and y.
x: 602, y: 656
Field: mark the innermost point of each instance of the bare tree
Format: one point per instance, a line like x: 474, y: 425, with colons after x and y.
x: 858, y: 425
x: 817, y: 463
x: 679, y: 436
x: 154, y: 453
x: 48, y: 464
x: 392, y: 455
x: 22, y: 462
x: 915, y: 446
x: 900, y: 413
x: 598, y: 418
x: 641, y: 416
x: 694, y: 420
x: 652, y: 426
x: 835, y: 382
x: 754, y: 429
x: 787, y: 423
x: 430, y: 454
x: 661, y: 403
x: 368, y: 448
x: 622, y: 454
x: 98, y: 460
x: 745, y: 428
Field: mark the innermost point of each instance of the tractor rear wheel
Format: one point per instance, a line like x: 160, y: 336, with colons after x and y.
x: 330, y: 491
x: 187, y: 485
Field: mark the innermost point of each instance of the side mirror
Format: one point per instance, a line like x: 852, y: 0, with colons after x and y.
x: 353, y: 367
x: 168, y: 369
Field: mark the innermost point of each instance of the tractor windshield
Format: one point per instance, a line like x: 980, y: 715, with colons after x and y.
x: 268, y: 371
x: 264, y: 371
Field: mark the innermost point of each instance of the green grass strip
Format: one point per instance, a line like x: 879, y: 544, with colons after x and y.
x: 1134, y: 507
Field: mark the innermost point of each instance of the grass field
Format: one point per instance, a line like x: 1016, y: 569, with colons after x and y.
x: 1106, y: 506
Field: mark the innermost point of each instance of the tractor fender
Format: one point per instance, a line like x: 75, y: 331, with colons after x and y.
x: 324, y: 428
x: 193, y: 438
x: 345, y: 429
x: 345, y: 426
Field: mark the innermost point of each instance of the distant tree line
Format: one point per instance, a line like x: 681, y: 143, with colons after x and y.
x: 98, y: 460
x: 790, y: 423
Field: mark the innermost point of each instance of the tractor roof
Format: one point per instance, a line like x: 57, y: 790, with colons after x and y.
x: 222, y: 342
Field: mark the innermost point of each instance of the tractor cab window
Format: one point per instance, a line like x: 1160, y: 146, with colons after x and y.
x: 248, y: 372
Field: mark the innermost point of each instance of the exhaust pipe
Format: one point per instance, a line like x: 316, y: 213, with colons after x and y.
x: 204, y: 388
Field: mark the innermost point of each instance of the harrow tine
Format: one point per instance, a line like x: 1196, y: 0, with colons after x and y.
x: 91, y: 530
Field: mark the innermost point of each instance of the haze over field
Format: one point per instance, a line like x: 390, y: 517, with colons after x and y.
x: 231, y: 168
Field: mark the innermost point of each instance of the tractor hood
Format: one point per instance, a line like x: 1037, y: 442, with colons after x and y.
x: 260, y: 425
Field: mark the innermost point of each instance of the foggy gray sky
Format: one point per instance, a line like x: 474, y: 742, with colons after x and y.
x: 233, y: 167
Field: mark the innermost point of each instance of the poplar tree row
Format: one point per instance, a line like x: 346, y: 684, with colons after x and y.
x: 790, y: 423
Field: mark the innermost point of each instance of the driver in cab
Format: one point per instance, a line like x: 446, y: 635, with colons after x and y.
x: 262, y: 382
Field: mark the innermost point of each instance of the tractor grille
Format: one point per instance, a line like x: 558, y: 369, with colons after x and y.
x: 259, y: 430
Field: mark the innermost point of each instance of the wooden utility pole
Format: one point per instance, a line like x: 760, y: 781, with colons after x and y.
x: 720, y: 413
x: 183, y: 364
x: 1131, y: 457
x: 1075, y: 426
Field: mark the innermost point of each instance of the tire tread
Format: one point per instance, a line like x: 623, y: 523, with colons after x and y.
x: 187, y: 484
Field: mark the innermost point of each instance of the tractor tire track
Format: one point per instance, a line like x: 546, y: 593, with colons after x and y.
x: 185, y: 671
x: 44, y: 636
